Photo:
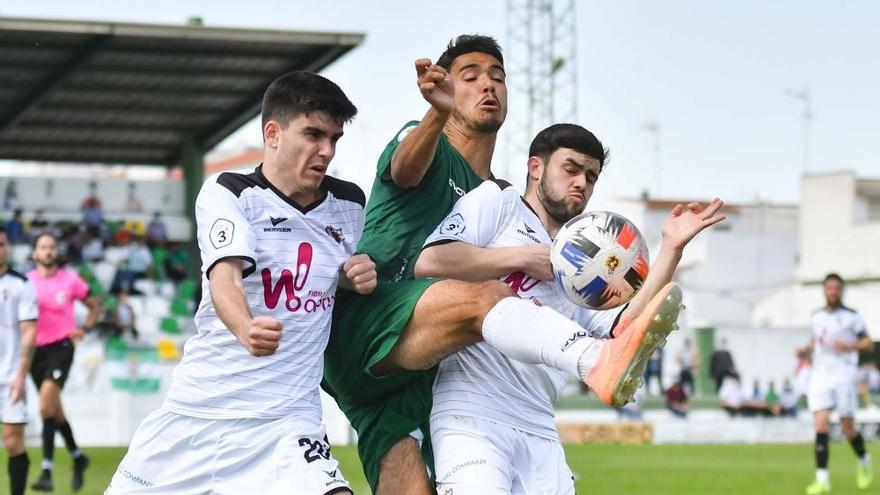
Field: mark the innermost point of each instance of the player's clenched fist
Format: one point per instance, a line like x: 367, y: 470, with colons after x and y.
x: 435, y: 85
x: 360, y: 272
x: 262, y: 337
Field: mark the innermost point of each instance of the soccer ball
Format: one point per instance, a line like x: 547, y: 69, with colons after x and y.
x: 599, y: 259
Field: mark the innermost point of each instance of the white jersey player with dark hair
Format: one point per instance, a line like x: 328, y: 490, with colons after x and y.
x: 492, y: 422
x: 243, y: 413
x: 18, y: 333
x: 839, y: 333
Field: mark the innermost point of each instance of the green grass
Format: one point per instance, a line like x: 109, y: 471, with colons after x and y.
x: 600, y: 469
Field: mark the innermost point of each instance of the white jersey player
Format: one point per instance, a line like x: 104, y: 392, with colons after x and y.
x: 243, y: 414
x: 492, y: 423
x: 18, y: 332
x: 839, y: 333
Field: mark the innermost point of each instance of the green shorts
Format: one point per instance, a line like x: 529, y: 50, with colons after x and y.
x: 382, y: 410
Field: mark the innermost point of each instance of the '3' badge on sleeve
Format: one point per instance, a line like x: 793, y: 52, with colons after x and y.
x: 221, y: 233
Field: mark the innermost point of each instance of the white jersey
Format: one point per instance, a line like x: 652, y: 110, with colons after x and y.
x: 479, y: 381
x: 19, y: 304
x: 840, y: 324
x: 291, y: 258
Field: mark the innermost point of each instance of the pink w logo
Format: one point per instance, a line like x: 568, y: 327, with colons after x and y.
x: 520, y: 282
x: 288, y: 283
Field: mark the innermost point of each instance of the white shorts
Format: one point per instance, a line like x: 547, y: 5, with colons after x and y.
x: 476, y: 457
x: 175, y: 454
x: 12, y: 414
x: 841, y: 397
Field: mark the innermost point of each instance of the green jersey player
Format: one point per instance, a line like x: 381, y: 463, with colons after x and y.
x: 380, y: 362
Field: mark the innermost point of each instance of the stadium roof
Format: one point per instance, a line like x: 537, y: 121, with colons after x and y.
x: 99, y: 92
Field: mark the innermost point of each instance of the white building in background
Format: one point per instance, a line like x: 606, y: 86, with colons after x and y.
x: 839, y: 232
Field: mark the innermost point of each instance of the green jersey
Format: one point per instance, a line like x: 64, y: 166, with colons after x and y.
x: 400, y: 219
x: 366, y: 327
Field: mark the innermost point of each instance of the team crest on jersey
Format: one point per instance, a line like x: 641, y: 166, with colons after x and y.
x: 5, y: 294
x: 453, y: 225
x: 60, y: 297
x: 335, y: 233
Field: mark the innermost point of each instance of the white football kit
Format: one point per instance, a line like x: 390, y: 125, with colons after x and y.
x: 19, y: 304
x: 479, y: 390
x: 834, y: 373
x: 236, y: 423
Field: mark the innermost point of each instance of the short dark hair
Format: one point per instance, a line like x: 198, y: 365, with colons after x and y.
x: 570, y: 136
x: 41, y: 235
x: 302, y: 92
x: 833, y: 276
x: 470, y: 43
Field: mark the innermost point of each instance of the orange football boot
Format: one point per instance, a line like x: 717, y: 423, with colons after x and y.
x: 618, y: 373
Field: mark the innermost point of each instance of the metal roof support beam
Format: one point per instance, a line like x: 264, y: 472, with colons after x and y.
x: 193, y: 164
x: 53, y: 80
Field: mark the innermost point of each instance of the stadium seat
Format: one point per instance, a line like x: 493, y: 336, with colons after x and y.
x: 155, y: 306
x: 168, y: 350
x: 180, y: 307
x: 187, y: 289
x: 114, y: 255
x: 148, y: 287
x: 169, y: 325
x: 104, y: 272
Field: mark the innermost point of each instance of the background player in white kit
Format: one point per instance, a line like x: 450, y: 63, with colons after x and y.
x: 18, y: 332
x: 839, y: 333
x: 243, y: 414
x: 492, y: 423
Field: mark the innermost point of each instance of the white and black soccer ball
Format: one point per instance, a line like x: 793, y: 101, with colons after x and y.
x: 600, y: 259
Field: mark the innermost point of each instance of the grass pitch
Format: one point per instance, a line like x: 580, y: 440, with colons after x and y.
x: 599, y: 469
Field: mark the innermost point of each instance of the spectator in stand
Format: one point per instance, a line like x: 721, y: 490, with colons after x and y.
x: 757, y: 395
x: 788, y: 399
x: 122, y: 318
x: 92, y: 211
x: 92, y: 249
x: 689, y: 360
x: 654, y: 368
x: 731, y: 395
x: 772, y: 401
x: 133, y: 203
x: 39, y: 225
x: 721, y: 364
x: 157, y: 235
x: 677, y: 399
x: 123, y: 280
x: 15, y: 229
x: 123, y: 235
x: 177, y: 262
x: 139, y: 258
x: 10, y: 198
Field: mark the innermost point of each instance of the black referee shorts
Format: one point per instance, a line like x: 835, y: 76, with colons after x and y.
x: 52, y: 362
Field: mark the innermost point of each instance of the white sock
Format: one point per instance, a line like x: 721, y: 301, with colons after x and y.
x: 47, y: 464
x: 864, y: 461
x: 822, y: 475
x: 539, y: 335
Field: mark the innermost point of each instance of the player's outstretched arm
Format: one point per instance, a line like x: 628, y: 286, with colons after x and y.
x: 358, y: 273
x: 261, y: 335
x: 462, y: 261
x: 413, y: 157
x: 682, y: 225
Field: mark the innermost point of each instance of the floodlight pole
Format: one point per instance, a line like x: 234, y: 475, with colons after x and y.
x: 541, y: 61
